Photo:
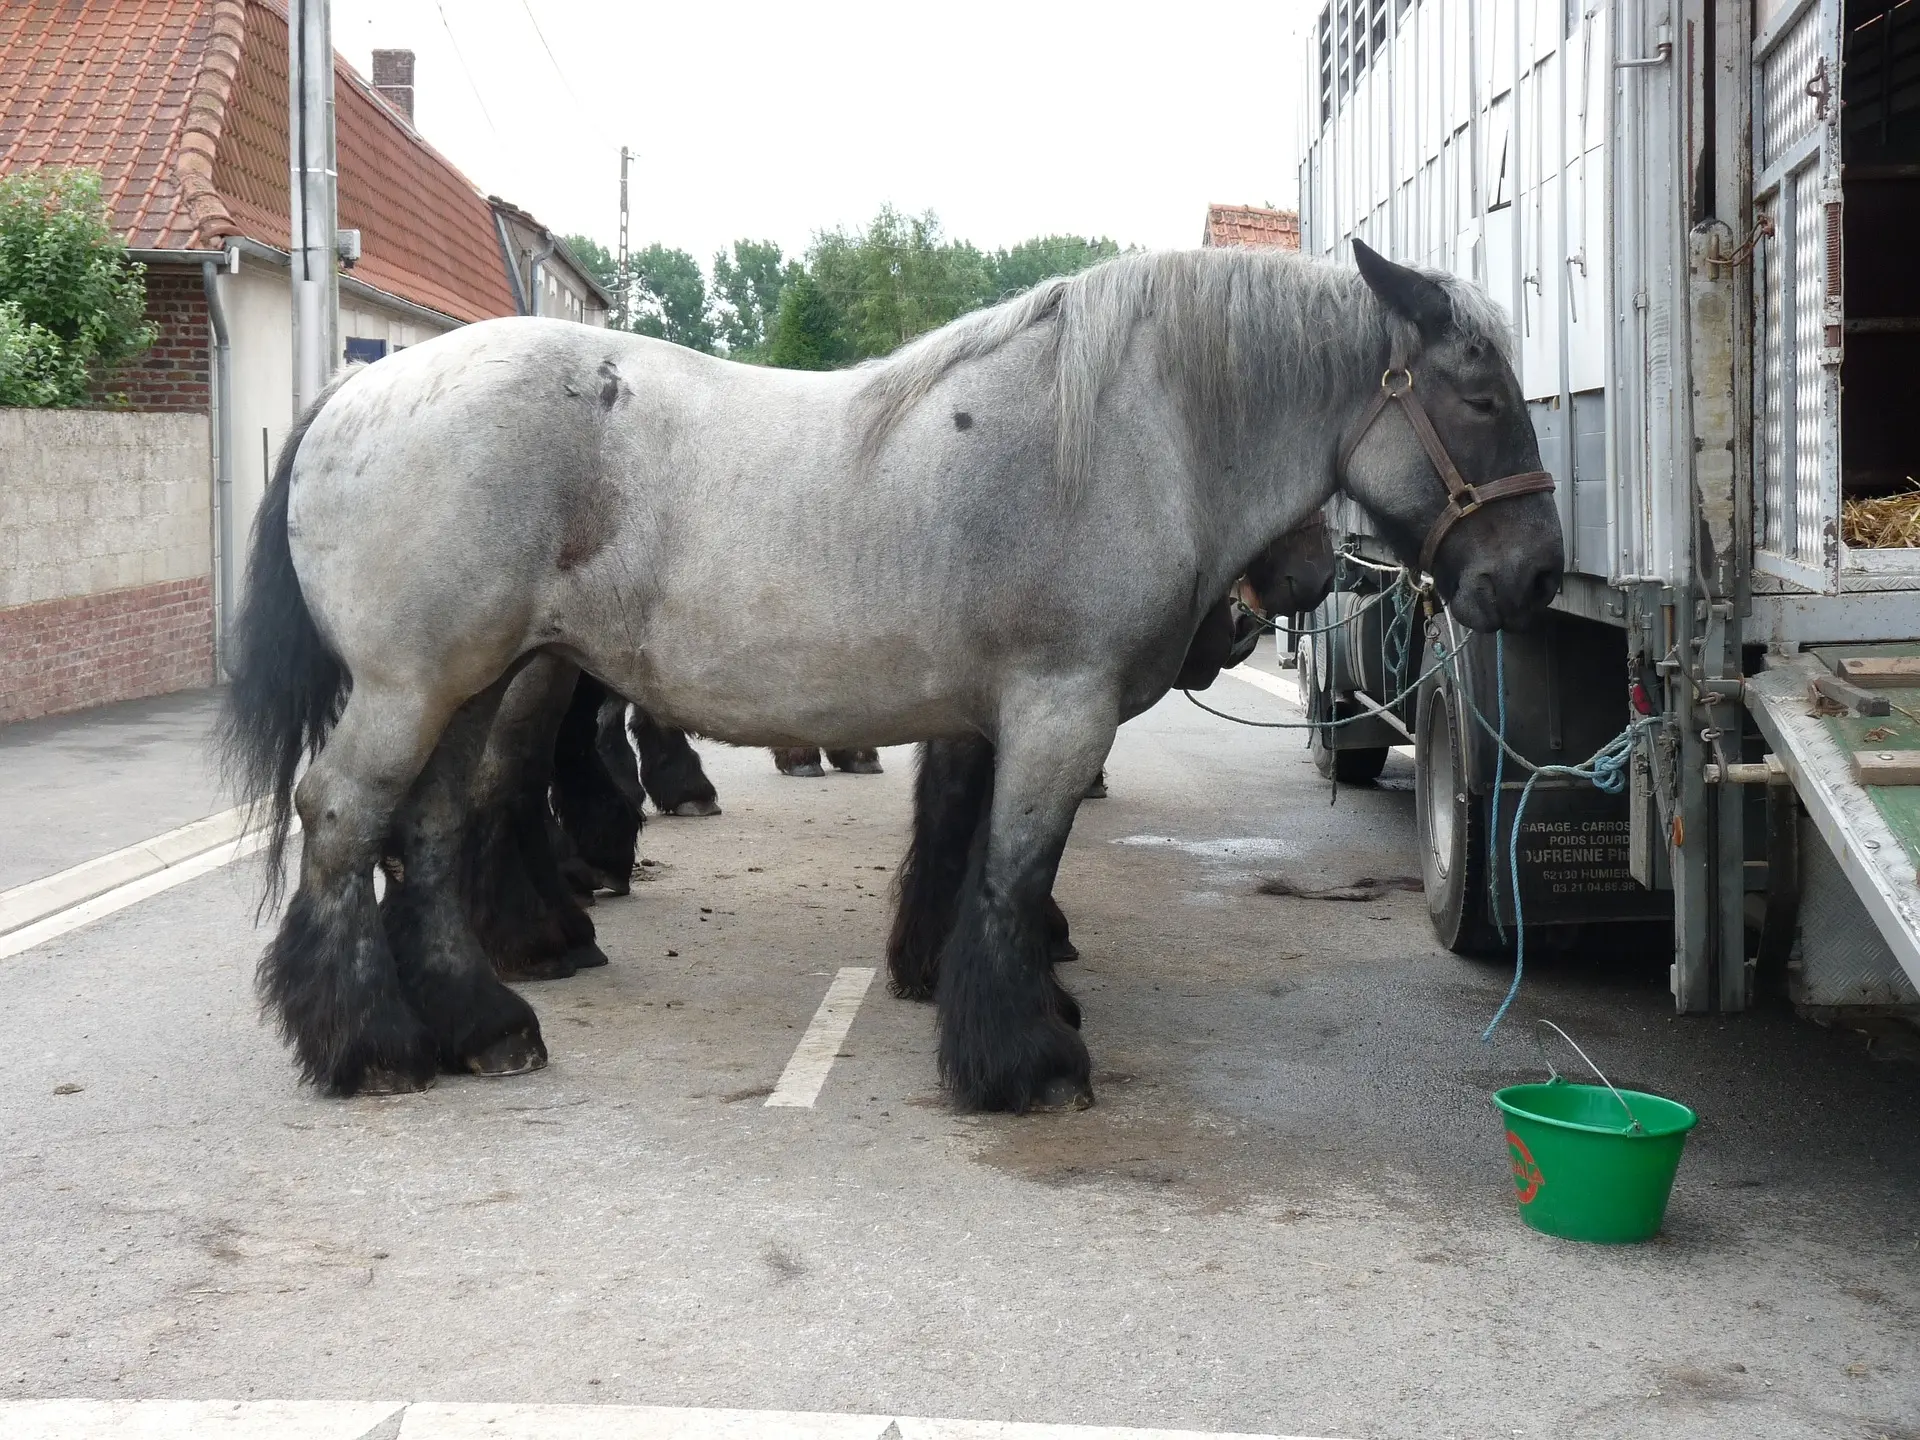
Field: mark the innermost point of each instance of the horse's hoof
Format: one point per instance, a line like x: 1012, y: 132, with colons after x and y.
x: 1064, y: 1093
x: 1097, y: 790
x: 864, y: 767
x: 516, y: 1054
x: 538, y: 967
x: 695, y: 809
x: 586, y: 957
x: 803, y: 772
x: 580, y: 878
x: 1063, y: 951
x: 377, y: 1080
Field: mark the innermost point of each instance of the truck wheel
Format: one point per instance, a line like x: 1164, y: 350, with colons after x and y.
x: 1350, y: 767
x: 1452, y: 830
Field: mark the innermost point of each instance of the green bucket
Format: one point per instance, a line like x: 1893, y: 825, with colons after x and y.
x: 1591, y: 1162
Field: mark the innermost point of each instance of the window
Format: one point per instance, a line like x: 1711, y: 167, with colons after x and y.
x: 365, y: 352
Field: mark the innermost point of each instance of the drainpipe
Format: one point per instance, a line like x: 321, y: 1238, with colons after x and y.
x: 223, y: 465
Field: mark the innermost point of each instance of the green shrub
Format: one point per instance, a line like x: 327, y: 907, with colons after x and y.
x: 72, y: 306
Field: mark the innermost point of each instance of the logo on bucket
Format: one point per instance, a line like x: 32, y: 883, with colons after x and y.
x: 1527, y: 1178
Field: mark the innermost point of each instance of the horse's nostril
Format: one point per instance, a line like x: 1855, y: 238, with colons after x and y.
x: 1546, y: 584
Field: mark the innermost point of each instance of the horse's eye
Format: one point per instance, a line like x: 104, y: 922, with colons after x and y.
x: 1481, y: 405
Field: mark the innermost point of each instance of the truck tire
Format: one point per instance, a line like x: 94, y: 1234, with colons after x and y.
x: 1349, y: 767
x: 1452, y: 831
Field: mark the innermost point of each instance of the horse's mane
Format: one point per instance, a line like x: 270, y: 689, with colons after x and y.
x: 1237, y: 328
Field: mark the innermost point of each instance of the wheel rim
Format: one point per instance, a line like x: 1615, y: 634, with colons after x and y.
x: 1440, y: 785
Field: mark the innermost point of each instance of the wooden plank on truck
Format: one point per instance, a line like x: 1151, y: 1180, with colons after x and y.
x: 1887, y: 767
x: 1881, y: 671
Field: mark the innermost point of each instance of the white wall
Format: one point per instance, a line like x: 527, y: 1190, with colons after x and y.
x: 260, y: 323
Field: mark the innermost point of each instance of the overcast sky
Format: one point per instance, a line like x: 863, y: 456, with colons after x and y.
x: 772, y: 121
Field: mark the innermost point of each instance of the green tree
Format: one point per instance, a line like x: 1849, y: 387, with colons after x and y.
x: 670, y: 298
x: 595, y: 259
x: 746, y: 289
x: 72, y: 307
x: 897, y: 278
x: 808, y: 332
x: 1045, y: 256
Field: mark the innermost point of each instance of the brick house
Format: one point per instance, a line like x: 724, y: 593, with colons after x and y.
x: 1251, y: 227
x: 181, y: 105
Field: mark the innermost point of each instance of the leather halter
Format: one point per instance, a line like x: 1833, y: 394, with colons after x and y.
x: 1396, y: 385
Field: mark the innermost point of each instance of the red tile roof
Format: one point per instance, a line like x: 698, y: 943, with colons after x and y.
x: 1252, y: 227
x: 182, y: 107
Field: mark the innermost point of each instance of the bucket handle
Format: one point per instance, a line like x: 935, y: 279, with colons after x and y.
x: 1558, y: 1078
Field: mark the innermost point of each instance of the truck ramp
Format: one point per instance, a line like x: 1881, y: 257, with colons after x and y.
x: 1872, y: 831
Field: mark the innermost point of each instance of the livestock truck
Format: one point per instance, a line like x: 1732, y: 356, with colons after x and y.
x: 1698, y: 214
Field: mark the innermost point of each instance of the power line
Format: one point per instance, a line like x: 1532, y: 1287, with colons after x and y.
x: 553, y: 59
x: 472, y: 84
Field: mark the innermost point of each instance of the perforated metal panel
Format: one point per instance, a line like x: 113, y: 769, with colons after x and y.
x: 1775, y: 454
x: 1796, y: 375
x: 1788, y: 112
x: 1809, y: 268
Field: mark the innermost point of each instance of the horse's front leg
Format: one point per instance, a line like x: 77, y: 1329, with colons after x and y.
x: 519, y: 906
x: 1006, y: 1042
x: 953, y: 785
x: 670, y: 768
x: 600, y: 819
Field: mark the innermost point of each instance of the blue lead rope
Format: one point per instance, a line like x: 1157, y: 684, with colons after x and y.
x: 1607, y: 768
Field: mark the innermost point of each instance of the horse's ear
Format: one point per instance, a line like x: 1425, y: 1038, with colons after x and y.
x: 1409, y: 294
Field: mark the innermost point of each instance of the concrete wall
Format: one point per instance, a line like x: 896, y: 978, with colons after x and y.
x: 105, y: 557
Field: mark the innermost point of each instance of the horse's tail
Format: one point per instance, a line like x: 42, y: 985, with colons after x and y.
x: 285, y: 688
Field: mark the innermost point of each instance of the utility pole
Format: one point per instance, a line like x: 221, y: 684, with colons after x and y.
x: 621, y: 259
x: 315, y: 224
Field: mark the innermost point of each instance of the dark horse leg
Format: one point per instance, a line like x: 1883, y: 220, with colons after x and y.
x: 601, y: 824
x: 952, y: 792
x: 330, y: 974
x: 477, y: 1023
x: 526, y: 918
x: 800, y: 761
x: 1006, y: 1039
x: 670, y: 769
x: 855, y: 762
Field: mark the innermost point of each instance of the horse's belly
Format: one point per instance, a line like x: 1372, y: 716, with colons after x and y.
x: 758, y: 686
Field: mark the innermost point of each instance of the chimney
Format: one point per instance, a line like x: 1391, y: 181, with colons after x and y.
x: 393, y: 80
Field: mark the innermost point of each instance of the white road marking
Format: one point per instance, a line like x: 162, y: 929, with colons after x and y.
x: 38, y: 899
x: 132, y: 893
x: 1287, y: 692
x: 813, y: 1057
x: 349, y: 1420
x: 1274, y: 685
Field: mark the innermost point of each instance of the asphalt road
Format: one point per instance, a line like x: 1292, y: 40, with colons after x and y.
x: 1289, y: 1212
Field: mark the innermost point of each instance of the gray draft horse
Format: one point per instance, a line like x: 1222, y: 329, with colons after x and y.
x: 1003, y: 535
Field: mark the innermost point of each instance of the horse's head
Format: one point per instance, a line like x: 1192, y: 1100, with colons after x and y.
x: 1295, y: 572
x: 1444, y: 457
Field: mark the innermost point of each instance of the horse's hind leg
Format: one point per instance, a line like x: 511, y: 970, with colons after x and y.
x: 1005, y: 1041
x: 329, y: 974
x: 800, y: 761
x: 670, y: 769
x: 477, y: 1023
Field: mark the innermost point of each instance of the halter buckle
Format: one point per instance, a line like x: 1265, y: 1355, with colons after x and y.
x: 1403, y: 387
